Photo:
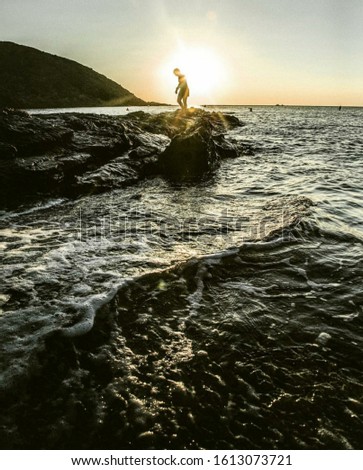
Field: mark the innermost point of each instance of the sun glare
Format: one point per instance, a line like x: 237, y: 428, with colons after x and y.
x: 204, y: 71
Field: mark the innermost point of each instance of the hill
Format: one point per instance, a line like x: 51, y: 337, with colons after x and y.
x: 30, y: 78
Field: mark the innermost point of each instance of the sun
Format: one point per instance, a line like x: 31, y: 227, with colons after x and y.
x: 202, y: 67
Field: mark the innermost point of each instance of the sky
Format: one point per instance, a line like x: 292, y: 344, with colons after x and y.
x: 292, y: 52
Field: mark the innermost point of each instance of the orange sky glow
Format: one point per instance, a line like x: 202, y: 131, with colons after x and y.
x: 233, y: 52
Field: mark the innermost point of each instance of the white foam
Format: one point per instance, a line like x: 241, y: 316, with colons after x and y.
x: 36, y: 208
x: 89, y: 310
x: 323, y: 338
x: 195, y: 298
x: 248, y: 288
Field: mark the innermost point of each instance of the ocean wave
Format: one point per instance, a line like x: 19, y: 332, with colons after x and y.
x: 220, y: 315
x: 242, y: 337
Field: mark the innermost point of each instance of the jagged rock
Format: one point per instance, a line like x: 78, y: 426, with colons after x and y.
x: 198, y: 149
x: 72, y: 154
x: 189, y: 156
x: 172, y: 124
x: 31, y: 135
x: 112, y: 175
x: 224, y: 148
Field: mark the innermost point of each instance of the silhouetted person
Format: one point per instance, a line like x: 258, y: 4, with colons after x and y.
x: 182, y: 88
x: 340, y: 108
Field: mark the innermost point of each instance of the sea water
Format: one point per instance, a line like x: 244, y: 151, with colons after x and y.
x: 224, y: 314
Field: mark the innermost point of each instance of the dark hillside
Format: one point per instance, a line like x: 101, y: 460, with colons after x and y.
x: 30, y: 78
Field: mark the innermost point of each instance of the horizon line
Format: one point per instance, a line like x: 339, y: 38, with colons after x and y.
x: 146, y: 105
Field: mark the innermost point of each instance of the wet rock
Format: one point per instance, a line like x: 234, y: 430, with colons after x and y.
x: 112, y: 175
x: 224, y: 148
x: 7, y: 151
x: 72, y: 154
x: 172, y: 124
x: 31, y: 135
x: 189, y: 156
x: 199, y: 148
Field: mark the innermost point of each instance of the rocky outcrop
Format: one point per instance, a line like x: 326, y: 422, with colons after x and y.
x: 198, y: 149
x: 73, y: 154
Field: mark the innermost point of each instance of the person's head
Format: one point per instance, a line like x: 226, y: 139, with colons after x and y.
x: 176, y: 72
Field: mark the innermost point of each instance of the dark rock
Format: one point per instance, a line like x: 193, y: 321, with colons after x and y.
x: 31, y: 135
x: 111, y: 175
x: 225, y: 121
x: 7, y: 151
x: 172, y: 124
x: 198, y: 149
x: 189, y: 156
x: 72, y: 154
x: 224, y: 148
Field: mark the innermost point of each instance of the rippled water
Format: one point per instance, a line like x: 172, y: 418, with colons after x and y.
x: 229, y: 313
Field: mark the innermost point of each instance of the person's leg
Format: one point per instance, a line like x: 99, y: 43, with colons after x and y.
x: 185, y: 102
x: 180, y: 101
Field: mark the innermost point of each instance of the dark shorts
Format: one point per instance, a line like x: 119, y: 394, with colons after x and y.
x: 183, y: 93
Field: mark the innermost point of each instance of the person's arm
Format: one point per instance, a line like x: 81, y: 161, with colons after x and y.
x: 177, y: 88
